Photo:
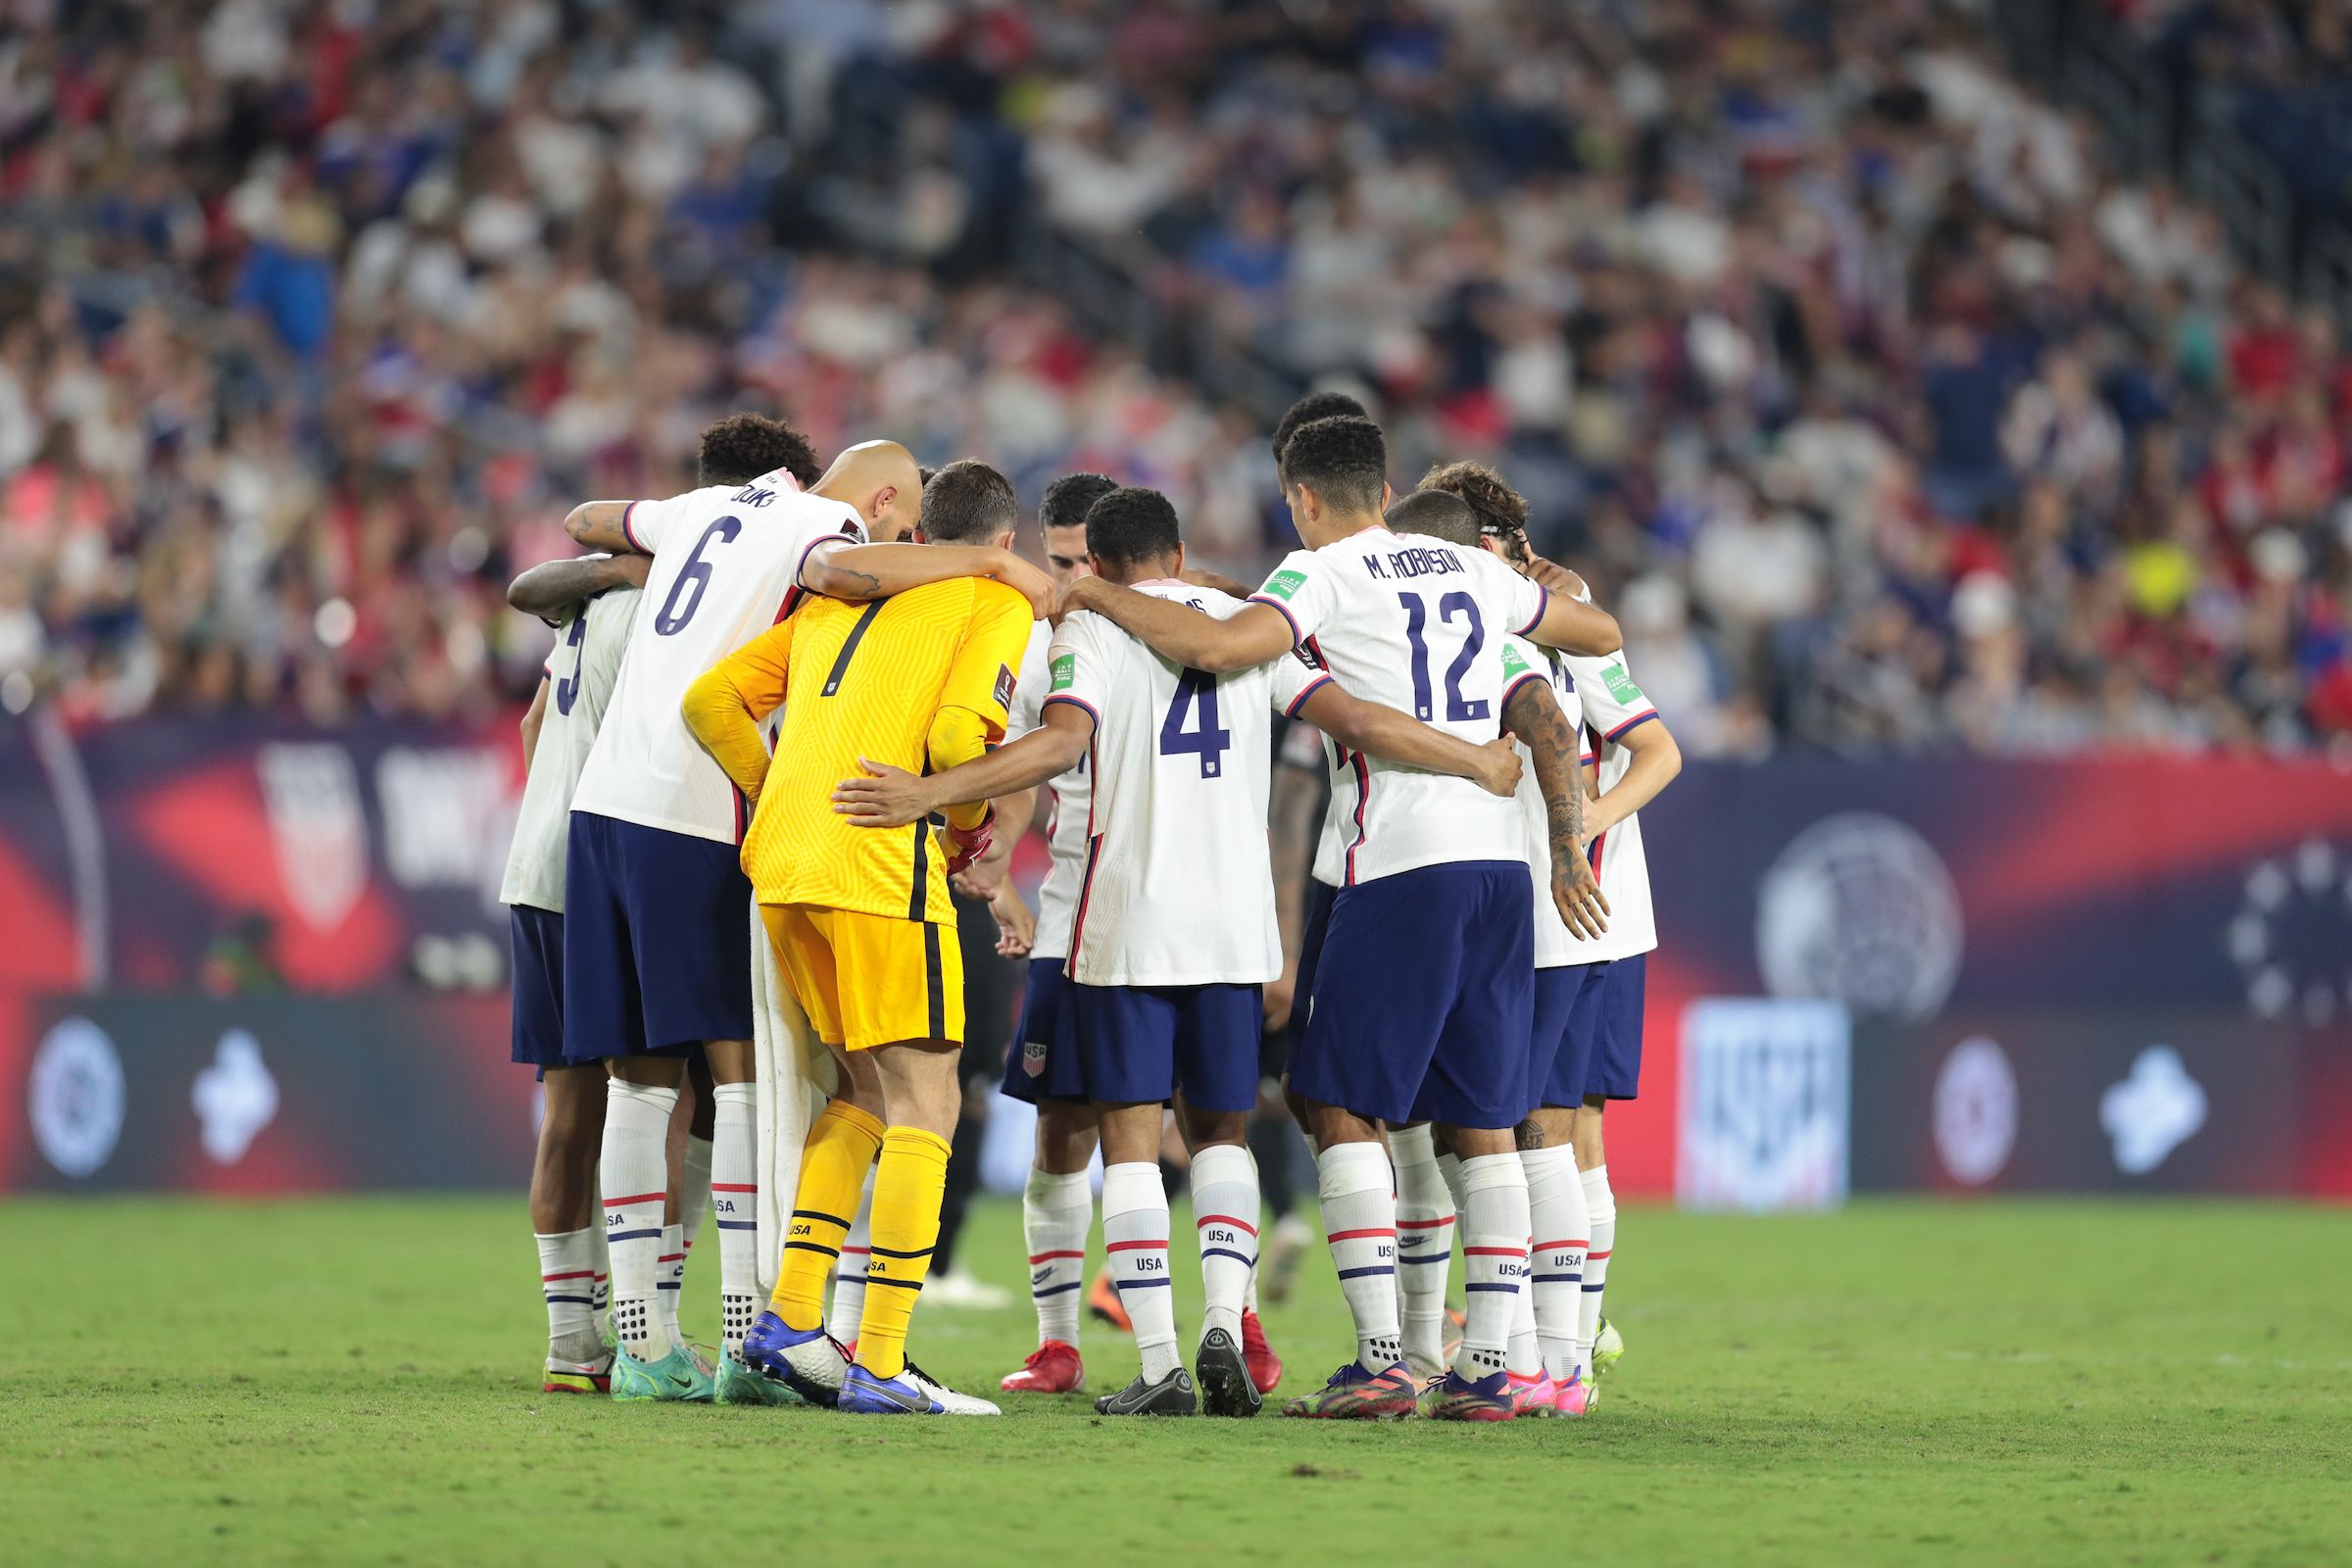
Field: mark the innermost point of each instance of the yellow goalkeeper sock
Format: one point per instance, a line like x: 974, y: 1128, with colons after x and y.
x: 908, y: 1187
x: 833, y: 1165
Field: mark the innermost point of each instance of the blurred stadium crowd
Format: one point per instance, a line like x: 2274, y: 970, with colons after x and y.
x: 1884, y: 418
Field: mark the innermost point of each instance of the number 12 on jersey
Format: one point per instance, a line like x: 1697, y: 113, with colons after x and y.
x: 1195, y: 693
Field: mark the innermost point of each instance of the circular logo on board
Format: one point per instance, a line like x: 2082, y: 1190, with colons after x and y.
x: 75, y: 1096
x: 1861, y: 909
x: 1976, y: 1111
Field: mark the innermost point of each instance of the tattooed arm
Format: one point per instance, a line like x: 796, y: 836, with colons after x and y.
x: 1533, y: 714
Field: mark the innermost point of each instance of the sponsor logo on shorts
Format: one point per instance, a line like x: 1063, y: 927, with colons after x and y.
x: 1033, y: 1058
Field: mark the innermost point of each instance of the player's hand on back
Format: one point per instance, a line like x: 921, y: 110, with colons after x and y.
x: 1554, y: 578
x: 1501, y: 774
x: 889, y: 797
x: 1576, y: 894
x: 1030, y: 582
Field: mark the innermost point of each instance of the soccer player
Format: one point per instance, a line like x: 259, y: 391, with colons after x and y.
x: 1541, y: 707
x: 592, y: 601
x: 1057, y: 1203
x: 656, y: 932
x: 863, y: 924
x: 1631, y: 756
x: 1174, y: 932
x: 1427, y: 969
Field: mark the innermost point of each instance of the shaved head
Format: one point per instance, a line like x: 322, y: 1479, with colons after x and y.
x: 883, y: 483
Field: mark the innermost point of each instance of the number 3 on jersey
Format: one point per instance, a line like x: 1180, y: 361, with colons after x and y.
x: 693, y: 579
x: 568, y: 690
x: 1195, y: 690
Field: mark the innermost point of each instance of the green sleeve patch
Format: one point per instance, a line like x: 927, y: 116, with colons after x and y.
x: 1065, y: 672
x: 1282, y: 584
x: 1513, y: 666
x: 1621, y: 685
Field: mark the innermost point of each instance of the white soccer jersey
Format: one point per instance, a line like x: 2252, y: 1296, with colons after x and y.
x: 1065, y: 828
x: 726, y: 565
x: 1614, y: 705
x: 580, y: 673
x: 1523, y: 662
x: 1418, y: 624
x: 1178, y: 887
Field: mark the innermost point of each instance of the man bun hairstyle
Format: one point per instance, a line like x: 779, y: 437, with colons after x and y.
x: 1128, y: 525
x: 1439, y: 514
x: 1345, y: 459
x: 1324, y: 405
x: 967, y: 502
x: 1067, y: 499
x: 740, y: 447
x: 1500, y: 509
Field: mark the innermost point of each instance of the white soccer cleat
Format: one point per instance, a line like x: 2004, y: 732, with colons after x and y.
x: 956, y: 1289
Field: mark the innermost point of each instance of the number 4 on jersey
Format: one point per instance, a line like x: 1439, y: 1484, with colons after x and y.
x: 1210, y: 742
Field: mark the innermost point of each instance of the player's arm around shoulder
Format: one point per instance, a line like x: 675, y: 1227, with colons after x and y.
x: 1251, y: 635
x: 551, y: 589
x: 1395, y: 736
x: 857, y: 572
x: 725, y: 704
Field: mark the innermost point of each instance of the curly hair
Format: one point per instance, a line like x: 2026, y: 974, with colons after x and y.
x: 1344, y: 458
x: 1130, y: 526
x: 1500, y: 509
x: 740, y: 447
x: 1324, y: 405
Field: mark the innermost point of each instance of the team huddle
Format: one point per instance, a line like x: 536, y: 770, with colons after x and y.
x: 811, y: 699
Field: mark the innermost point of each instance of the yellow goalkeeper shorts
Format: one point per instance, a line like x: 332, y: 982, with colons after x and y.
x: 868, y: 980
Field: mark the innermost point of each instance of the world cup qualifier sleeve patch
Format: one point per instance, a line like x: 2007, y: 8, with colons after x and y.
x: 1005, y: 681
x: 1282, y: 584
x: 1621, y: 685
x: 1064, y: 672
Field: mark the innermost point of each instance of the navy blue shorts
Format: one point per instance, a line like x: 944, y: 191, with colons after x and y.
x: 1615, y: 1069
x: 1138, y: 1044
x: 1319, y: 897
x: 657, y: 941
x: 1425, y: 997
x: 1560, y: 1052
x: 538, y: 938
x: 1042, y: 1063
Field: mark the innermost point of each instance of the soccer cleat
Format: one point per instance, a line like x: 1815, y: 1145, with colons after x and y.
x: 1608, y: 1348
x: 1266, y: 1367
x: 1102, y: 1300
x: 1229, y: 1385
x: 1286, y: 1248
x: 809, y: 1361
x: 1575, y: 1398
x: 1536, y: 1396
x: 679, y: 1376
x: 1053, y: 1367
x: 1454, y: 1398
x: 956, y: 1288
x: 911, y: 1393
x: 738, y: 1383
x: 1353, y: 1393
x: 1170, y: 1395
x: 578, y: 1377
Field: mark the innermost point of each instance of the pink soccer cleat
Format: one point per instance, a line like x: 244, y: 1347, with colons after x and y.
x: 1536, y: 1396
x: 1575, y: 1398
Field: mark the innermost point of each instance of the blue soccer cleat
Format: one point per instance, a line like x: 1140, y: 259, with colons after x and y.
x: 809, y: 1361
x: 911, y: 1393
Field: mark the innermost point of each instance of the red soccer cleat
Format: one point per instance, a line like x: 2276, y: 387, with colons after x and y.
x: 1266, y: 1367
x: 1053, y: 1367
x: 1102, y: 1300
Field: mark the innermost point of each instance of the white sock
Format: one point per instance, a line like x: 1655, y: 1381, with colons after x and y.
x: 1424, y: 1243
x: 1056, y: 1212
x: 568, y: 1280
x: 1494, y: 1236
x: 601, y: 1256
x: 849, y: 1277
x: 694, y: 1190
x: 1524, y: 1357
x: 1225, y: 1214
x: 1135, y: 1232
x: 1250, y: 1296
x: 1600, y: 1206
x: 635, y: 1168
x: 735, y: 1207
x: 669, y: 1277
x: 1555, y: 1266
x: 1359, y: 1226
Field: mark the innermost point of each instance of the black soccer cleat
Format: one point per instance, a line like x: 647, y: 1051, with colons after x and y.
x: 1226, y: 1386
x: 1170, y: 1395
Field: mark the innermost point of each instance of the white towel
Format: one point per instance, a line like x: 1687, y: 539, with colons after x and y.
x: 796, y: 1079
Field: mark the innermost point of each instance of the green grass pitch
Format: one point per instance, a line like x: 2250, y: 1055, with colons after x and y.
x: 355, y: 1381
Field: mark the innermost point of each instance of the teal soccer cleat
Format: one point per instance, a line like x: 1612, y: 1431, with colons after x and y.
x: 738, y: 1383
x: 681, y: 1376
